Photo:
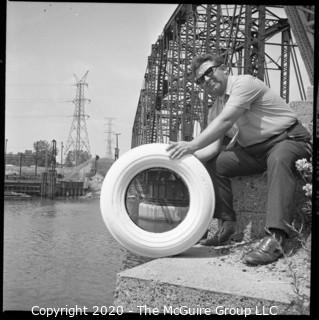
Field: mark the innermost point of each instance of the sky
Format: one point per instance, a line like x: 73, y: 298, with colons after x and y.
x: 48, y: 43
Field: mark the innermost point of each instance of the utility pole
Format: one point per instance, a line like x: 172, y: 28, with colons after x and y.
x: 20, y: 164
x: 46, y: 161
x: 5, y: 154
x: 53, y: 156
x: 109, y: 137
x: 61, y: 157
x: 117, y: 150
x: 36, y: 159
x: 52, y: 171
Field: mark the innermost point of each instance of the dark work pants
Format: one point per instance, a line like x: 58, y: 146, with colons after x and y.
x: 277, y: 156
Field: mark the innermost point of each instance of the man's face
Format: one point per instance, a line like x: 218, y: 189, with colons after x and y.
x: 212, y: 78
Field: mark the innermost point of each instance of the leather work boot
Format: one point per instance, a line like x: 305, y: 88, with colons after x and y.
x: 268, y: 251
x: 223, y: 235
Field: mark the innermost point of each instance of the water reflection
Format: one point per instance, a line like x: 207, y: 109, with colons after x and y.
x: 157, y: 199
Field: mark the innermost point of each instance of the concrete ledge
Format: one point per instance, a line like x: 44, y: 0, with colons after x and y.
x: 249, y: 194
x: 304, y: 109
x: 249, y: 200
x: 195, y: 280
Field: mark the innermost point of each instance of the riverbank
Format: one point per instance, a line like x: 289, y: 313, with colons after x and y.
x: 10, y: 195
x: 84, y: 181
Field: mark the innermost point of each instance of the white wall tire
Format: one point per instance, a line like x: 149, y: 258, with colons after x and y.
x: 150, y: 244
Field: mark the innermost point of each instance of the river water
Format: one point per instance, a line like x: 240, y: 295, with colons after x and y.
x: 59, y: 253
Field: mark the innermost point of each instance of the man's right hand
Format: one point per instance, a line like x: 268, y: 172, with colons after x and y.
x: 179, y: 149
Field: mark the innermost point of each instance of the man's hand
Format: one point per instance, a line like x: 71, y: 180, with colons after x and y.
x: 180, y: 149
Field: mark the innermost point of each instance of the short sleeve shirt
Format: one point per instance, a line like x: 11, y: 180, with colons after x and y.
x: 266, y: 113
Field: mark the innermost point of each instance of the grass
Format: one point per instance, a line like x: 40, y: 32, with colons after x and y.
x: 301, y: 301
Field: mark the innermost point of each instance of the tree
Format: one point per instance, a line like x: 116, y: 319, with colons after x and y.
x: 82, y: 157
x: 43, y: 150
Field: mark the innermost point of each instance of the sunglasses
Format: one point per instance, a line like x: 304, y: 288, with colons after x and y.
x: 210, y: 70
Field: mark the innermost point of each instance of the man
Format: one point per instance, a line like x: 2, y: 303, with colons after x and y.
x: 268, y: 138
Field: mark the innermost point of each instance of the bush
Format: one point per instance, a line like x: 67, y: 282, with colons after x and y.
x: 304, y: 168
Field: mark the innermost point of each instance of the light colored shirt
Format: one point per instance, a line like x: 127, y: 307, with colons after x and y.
x: 216, y: 109
x: 266, y: 113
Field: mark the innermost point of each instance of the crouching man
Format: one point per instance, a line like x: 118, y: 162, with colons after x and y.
x: 268, y: 137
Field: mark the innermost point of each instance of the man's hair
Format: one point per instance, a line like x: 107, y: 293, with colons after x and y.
x: 198, y: 60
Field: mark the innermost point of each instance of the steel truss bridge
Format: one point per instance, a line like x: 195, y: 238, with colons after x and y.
x: 257, y: 40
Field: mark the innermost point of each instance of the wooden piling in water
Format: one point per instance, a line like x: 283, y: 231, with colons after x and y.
x: 44, y: 178
x: 47, y: 186
x: 51, y: 184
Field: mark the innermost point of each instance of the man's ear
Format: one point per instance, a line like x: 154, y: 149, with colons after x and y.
x: 224, y: 67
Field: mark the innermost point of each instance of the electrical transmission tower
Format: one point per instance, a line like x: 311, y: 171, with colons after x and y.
x: 78, y: 140
x: 109, y: 153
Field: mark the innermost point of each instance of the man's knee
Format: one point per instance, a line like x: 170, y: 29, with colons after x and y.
x: 215, y: 166
x: 286, y: 153
x: 278, y: 161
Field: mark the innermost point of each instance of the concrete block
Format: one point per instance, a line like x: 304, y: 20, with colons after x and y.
x: 249, y: 201
x: 192, y: 281
x: 304, y: 109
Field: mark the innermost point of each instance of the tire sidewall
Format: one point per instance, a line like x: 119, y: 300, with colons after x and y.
x: 142, y: 242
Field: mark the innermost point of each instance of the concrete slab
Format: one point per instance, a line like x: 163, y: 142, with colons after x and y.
x: 200, y: 279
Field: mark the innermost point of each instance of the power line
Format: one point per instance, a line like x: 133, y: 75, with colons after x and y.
x: 34, y: 100
x: 32, y: 116
x: 37, y: 84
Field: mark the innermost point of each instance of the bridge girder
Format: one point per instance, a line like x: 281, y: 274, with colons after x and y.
x: 171, y: 106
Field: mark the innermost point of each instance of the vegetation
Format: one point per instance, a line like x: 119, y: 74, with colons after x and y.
x: 304, y: 168
x: 44, y: 152
x: 71, y: 160
x: 41, y: 155
x: 303, y: 235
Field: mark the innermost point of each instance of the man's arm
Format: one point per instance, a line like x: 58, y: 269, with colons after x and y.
x: 209, y: 151
x: 214, y: 148
x: 214, y: 131
x: 218, y: 127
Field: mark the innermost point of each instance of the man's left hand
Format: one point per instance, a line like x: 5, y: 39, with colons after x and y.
x: 180, y: 149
